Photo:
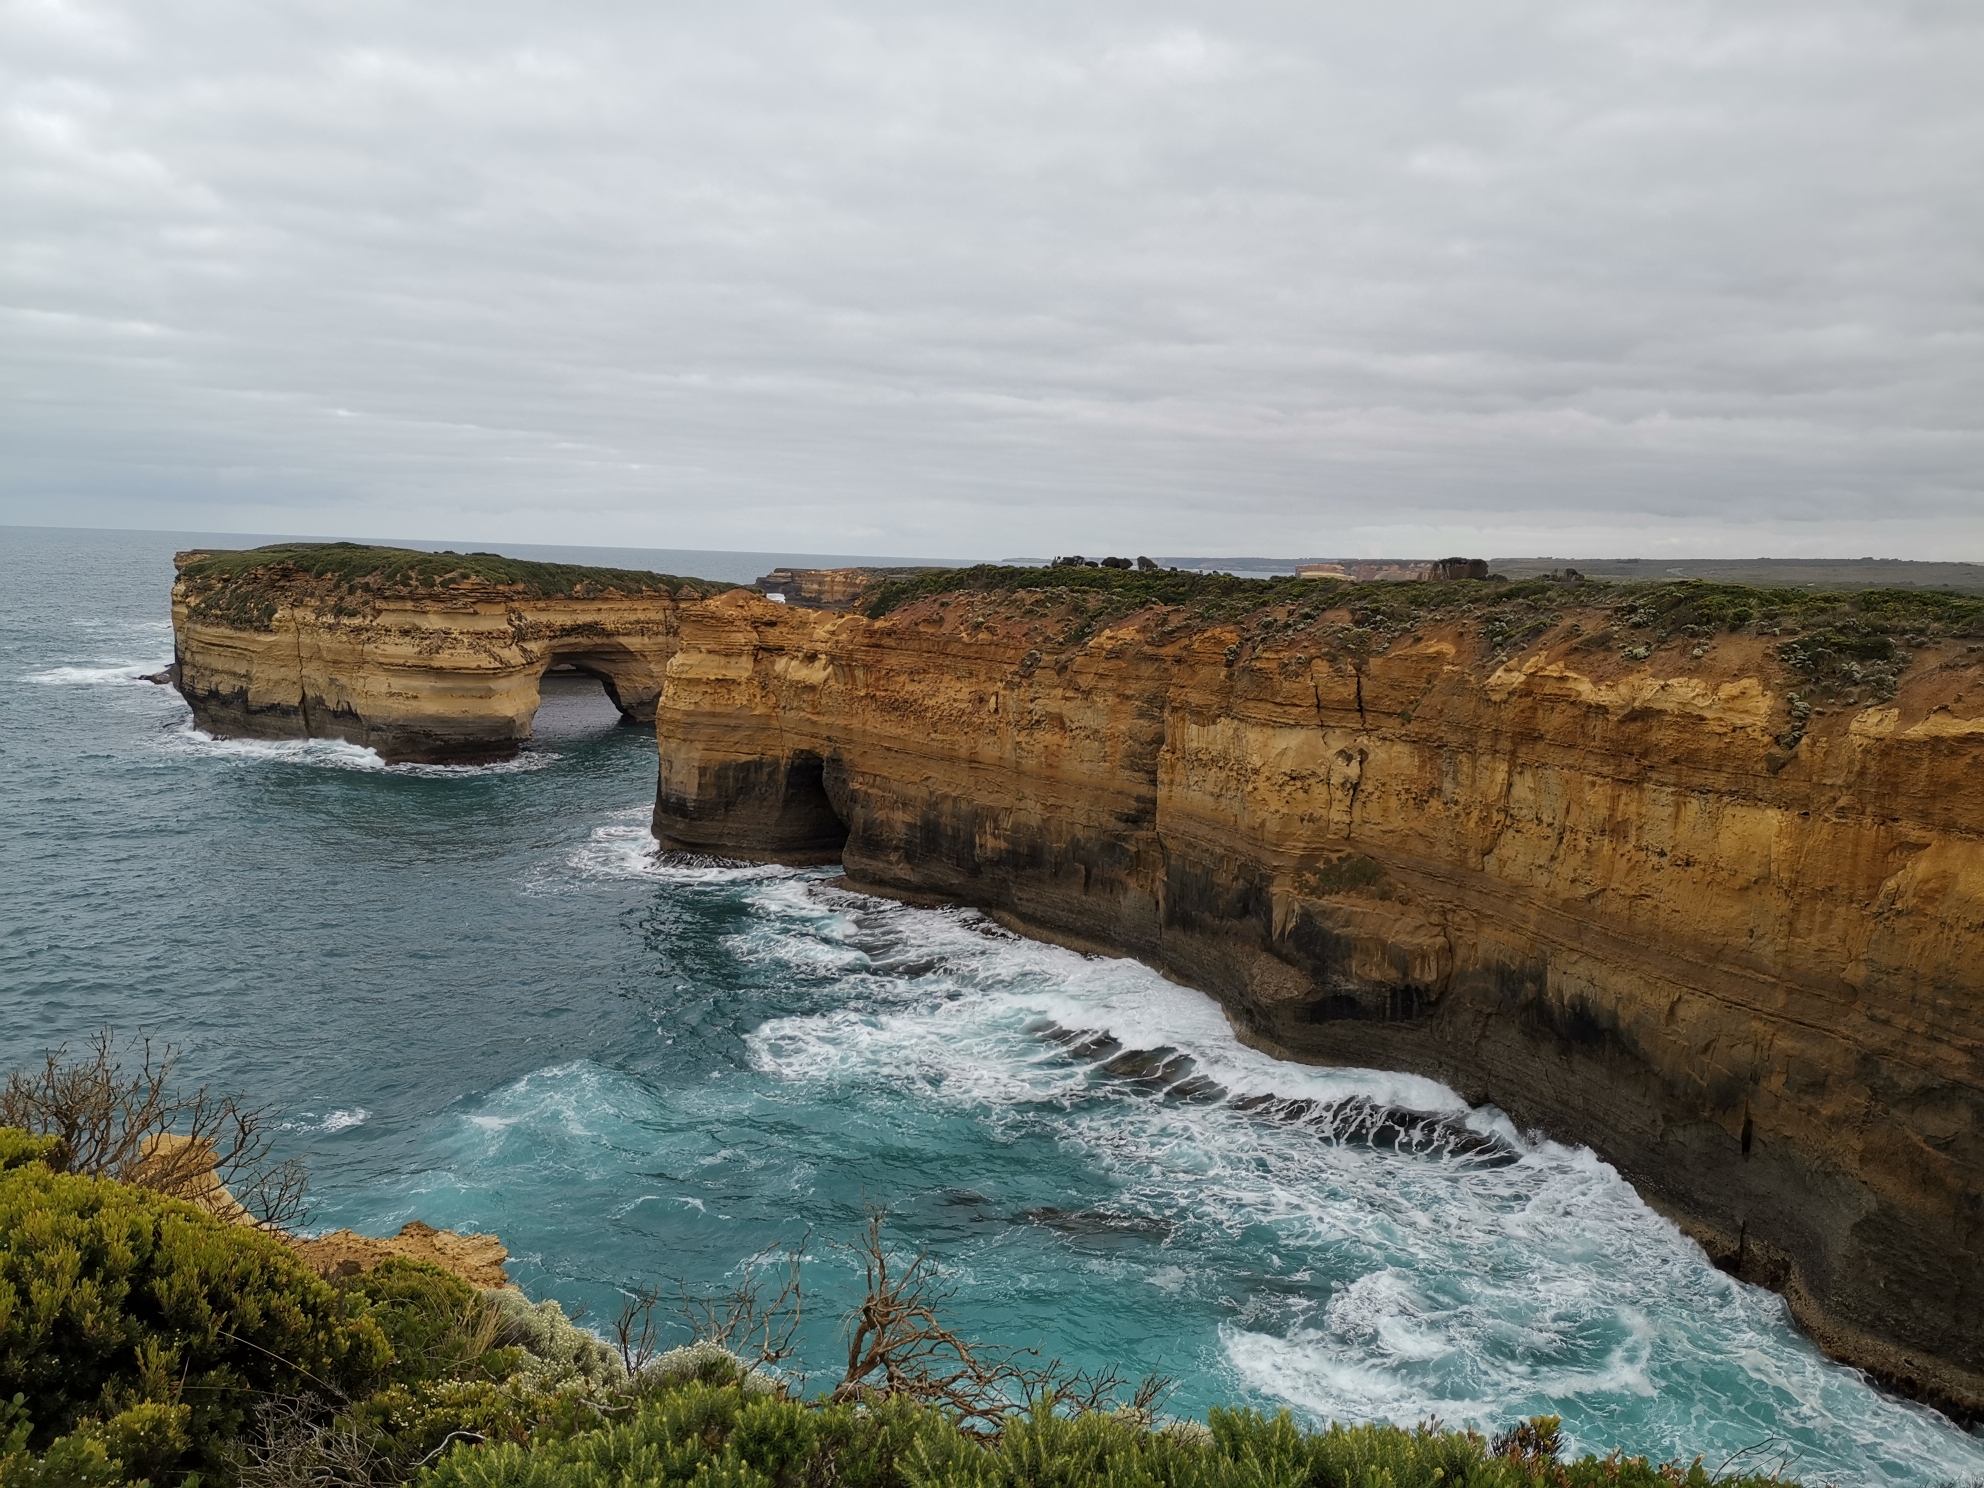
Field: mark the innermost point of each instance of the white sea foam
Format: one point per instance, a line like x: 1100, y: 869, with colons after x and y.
x: 1000, y: 981
x: 99, y: 674
x: 336, y: 1121
x: 336, y: 754
x: 1477, y: 1291
x: 626, y: 848
x: 121, y: 625
x: 1343, y: 1277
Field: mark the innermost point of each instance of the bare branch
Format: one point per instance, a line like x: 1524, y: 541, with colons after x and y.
x: 635, y: 1331
x: 898, y: 1344
x: 132, y: 1126
x: 755, y: 1322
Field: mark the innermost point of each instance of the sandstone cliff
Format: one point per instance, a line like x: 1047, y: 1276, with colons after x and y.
x: 420, y: 656
x: 1693, y: 875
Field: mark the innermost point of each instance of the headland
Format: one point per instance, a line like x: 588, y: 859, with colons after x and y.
x: 1691, y: 873
x: 420, y: 656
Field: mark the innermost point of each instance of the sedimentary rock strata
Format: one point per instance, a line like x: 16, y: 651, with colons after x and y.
x: 1710, y: 900
x: 419, y: 656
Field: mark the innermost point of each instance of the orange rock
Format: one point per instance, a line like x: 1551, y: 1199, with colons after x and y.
x: 476, y: 1259
x: 450, y: 675
x: 184, y: 1168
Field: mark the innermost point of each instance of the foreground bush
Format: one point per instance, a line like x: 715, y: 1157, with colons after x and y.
x: 142, y: 1324
x: 143, y: 1340
x: 722, y: 1437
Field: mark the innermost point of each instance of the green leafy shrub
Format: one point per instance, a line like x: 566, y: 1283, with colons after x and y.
x: 19, y: 1148
x: 245, y: 588
x: 142, y: 1324
x: 436, y: 1324
x: 718, y: 1435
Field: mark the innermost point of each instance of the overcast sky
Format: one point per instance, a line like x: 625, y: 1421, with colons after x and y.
x: 1653, y: 278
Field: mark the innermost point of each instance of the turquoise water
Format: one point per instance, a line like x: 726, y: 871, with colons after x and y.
x: 482, y: 1002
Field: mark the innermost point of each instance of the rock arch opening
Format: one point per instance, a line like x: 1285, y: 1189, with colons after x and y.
x: 572, y: 701
x: 577, y: 685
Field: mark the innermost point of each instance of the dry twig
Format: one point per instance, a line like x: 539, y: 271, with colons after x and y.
x: 133, y: 1126
x: 898, y: 1344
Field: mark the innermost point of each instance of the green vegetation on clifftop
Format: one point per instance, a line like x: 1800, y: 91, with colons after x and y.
x: 245, y: 588
x: 1842, y: 645
x: 1664, y: 606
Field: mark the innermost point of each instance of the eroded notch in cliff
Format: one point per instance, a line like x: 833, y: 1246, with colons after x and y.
x: 775, y: 808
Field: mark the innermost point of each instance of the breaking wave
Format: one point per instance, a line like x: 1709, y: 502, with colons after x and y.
x: 336, y: 754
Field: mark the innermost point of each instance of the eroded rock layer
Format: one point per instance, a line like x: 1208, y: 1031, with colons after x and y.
x: 418, y: 656
x: 1691, y: 897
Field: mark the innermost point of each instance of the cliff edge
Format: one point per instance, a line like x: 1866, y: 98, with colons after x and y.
x: 1691, y: 873
x: 421, y: 656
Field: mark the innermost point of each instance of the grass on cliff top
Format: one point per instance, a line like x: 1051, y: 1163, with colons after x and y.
x: 405, y: 570
x: 1685, y: 606
x: 244, y: 588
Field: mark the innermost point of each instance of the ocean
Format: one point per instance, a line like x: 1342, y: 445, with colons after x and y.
x: 479, y: 999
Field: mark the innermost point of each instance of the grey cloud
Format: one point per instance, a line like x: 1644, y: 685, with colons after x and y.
x: 998, y: 279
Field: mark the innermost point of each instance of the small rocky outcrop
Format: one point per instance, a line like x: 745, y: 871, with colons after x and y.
x: 476, y: 1259
x: 188, y: 1163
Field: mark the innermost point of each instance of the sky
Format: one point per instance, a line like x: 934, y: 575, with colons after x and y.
x: 992, y: 279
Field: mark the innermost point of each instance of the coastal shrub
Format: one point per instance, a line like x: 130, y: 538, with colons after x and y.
x: 245, y: 588
x: 1506, y: 613
x: 436, y: 1324
x: 383, y: 1438
x: 143, y: 1324
x: 19, y: 1148
x: 707, y: 1363
x: 717, y: 1435
x: 461, y: 1372
x: 559, y: 1350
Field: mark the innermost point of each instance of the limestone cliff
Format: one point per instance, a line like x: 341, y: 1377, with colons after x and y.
x: 1693, y: 875
x: 420, y: 656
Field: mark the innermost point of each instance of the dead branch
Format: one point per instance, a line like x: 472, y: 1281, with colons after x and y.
x: 293, y: 1445
x: 754, y: 1323
x: 898, y: 1344
x: 757, y: 1318
x: 635, y: 1332
x: 134, y: 1127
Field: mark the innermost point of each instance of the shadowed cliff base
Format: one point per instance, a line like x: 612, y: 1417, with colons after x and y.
x: 1693, y: 873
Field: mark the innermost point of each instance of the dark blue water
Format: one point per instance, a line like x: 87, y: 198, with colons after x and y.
x: 482, y: 1002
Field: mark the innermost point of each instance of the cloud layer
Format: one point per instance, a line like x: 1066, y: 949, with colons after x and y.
x: 1011, y: 278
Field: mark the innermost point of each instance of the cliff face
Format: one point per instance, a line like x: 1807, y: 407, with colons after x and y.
x: 447, y: 671
x: 1646, y: 896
